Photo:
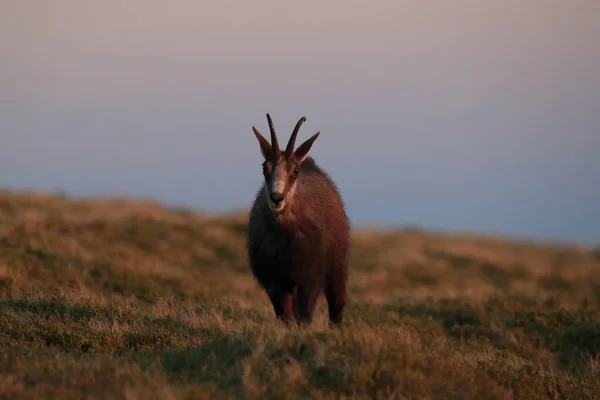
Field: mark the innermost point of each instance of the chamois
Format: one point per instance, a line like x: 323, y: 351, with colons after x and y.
x: 298, y: 232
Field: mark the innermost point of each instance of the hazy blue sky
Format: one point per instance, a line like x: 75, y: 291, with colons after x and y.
x: 464, y: 114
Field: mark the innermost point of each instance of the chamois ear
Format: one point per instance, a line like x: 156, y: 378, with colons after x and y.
x: 302, y: 152
x: 265, y: 147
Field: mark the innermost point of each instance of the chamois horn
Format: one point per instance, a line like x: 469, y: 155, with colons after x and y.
x: 291, y: 143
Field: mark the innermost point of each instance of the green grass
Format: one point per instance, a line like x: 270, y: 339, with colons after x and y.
x: 130, y: 300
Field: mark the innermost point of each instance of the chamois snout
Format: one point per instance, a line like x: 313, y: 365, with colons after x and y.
x: 276, y: 201
x: 277, y: 198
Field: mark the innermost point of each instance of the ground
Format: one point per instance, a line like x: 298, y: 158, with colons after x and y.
x: 127, y: 299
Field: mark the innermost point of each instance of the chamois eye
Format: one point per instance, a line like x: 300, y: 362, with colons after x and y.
x: 296, y: 171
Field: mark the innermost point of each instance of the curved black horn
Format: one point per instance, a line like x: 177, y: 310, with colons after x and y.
x: 292, y: 142
x: 274, y: 143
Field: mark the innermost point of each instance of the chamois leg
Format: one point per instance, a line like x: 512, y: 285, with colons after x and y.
x: 282, y: 304
x: 335, y: 293
x: 307, y: 300
x: 295, y: 305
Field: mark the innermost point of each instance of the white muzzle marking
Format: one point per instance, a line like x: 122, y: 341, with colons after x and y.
x: 278, y: 185
x: 278, y: 182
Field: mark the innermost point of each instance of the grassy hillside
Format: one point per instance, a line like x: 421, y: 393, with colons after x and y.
x: 119, y: 299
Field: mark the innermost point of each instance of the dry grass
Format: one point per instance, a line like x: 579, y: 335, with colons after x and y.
x: 129, y: 300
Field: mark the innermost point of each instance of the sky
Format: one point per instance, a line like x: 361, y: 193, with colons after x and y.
x: 464, y: 115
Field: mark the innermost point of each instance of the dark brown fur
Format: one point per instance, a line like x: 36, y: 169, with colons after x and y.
x: 302, y: 251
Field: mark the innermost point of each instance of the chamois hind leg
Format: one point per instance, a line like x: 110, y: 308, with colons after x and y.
x: 335, y: 293
x: 307, y: 301
x: 282, y: 304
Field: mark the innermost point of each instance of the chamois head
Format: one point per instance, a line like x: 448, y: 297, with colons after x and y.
x: 281, y: 169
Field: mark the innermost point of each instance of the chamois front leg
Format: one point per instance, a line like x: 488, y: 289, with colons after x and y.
x: 307, y: 300
x: 295, y: 305
x: 282, y: 304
